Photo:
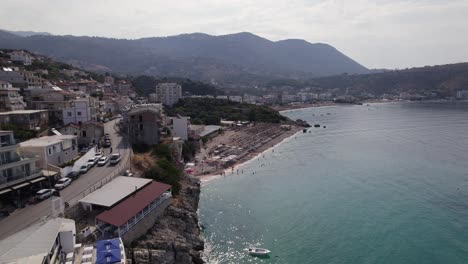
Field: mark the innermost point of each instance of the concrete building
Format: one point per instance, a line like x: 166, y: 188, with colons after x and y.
x: 79, y: 112
x: 12, y: 75
x: 179, y: 126
x: 15, y: 168
x: 52, y: 150
x: 10, y: 100
x: 21, y: 56
x: 462, y: 94
x: 235, y: 98
x: 26, y: 119
x: 44, y: 242
x: 87, y: 133
x: 143, y: 123
x: 168, y: 93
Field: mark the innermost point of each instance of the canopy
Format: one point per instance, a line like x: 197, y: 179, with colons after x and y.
x: 109, y: 256
x: 109, y: 244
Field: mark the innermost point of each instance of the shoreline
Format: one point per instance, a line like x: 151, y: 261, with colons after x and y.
x: 251, y: 156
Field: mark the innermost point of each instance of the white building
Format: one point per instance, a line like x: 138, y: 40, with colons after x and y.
x: 15, y: 168
x: 44, y: 242
x: 179, y: 126
x: 168, y: 93
x: 21, y: 56
x: 462, y: 94
x: 235, y: 98
x: 52, y: 150
x: 10, y: 100
x: 79, y: 112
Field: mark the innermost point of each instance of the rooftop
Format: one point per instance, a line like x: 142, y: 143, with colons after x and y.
x: 115, y: 191
x: 30, y: 245
x: 46, y: 141
x: 128, y: 208
x: 22, y: 112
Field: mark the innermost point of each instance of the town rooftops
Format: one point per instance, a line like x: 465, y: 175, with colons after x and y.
x: 128, y: 208
x: 46, y: 141
x: 32, y: 244
x: 115, y: 191
x: 22, y: 112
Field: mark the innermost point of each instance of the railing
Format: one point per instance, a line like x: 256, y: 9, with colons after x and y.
x: 17, y: 179
x: 143, y: 213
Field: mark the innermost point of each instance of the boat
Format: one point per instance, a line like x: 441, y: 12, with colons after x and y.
x: 254, y: 251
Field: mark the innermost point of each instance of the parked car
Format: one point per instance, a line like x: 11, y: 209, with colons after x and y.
x: 62, y: 183
x: 84, y: 150
x: 103, y: 161
x: 73, y: 175
x: 114, y: 159
x: 107, y: 143
x: 128, y: 173
x: 85, y: 168
x: 44, y: 194
x: 93, y: 161
x: 98, y: 154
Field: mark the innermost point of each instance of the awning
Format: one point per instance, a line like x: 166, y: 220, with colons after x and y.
x: 49, y: 173
x: 5, y: 191
x: 20, y: 186
x: 38, y: 179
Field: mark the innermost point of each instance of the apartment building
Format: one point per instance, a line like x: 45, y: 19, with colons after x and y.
x: 168, y: 93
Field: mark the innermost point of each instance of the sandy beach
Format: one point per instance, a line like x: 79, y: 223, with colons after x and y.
x: 209, y: 166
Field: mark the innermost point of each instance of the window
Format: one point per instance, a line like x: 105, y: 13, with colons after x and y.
x: 69, y: 113
x: 78, y: 113
x: 140, y: 118
x: 83, y: 133
x: 49, y: 151
x: 141, y: 127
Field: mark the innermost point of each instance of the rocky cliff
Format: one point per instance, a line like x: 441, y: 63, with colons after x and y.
x: 175, y: 237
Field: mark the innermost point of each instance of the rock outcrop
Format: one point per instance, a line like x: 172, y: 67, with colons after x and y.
x: 175, y: 237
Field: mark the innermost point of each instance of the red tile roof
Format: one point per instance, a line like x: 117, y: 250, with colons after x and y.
x: 128, y: 208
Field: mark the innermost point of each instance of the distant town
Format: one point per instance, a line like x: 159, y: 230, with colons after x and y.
x: 89, y: 163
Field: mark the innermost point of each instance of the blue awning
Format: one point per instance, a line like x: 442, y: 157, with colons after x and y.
x: 109, y: 244
x: 109, y: 256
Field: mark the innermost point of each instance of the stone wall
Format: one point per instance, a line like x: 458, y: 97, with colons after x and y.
x: 145, y: 224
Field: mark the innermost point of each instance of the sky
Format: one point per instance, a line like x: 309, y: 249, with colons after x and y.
x: 387, y: 34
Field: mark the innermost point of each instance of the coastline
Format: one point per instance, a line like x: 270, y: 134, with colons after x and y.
x: 252, y: 155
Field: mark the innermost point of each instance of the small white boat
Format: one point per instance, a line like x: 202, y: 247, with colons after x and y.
x: 258, y: 251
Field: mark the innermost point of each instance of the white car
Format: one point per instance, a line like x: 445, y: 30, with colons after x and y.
x: 62, y: 183
x: 98, y: 154
x: 85, y: 168
x: 44, y: 194
x: 103, y: 161
x: 114, y: 159
x: 93, y: 161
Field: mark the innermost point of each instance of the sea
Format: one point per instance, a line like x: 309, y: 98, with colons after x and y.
x: 381, y: 183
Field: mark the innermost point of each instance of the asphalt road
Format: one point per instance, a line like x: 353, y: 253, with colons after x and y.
x: 24, y: 217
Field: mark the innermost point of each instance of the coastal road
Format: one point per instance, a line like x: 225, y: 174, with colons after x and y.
x: 24, y: 217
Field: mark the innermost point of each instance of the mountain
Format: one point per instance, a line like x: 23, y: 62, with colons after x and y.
x: 241, y: 57
x: 26, y: 33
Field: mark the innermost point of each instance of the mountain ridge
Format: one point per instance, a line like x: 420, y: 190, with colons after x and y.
x: 240, y: 56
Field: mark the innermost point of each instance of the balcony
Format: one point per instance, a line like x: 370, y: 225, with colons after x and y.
x: 15, y: 179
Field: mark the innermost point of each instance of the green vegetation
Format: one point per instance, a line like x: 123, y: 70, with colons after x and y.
x: 189, y: 149
x: 163, y: 168
x: 210, y: 111
x: 145, y: 85
x: 20, y: 134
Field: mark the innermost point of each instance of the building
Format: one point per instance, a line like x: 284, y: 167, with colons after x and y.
x: 88, y: 133
x: 26, y: 119
x: 79, y: 112
x: 17, y: 171
x: 10, y: 100
x: 12, y: 75
x: 179, y: 126
x: 44, y: 242
x: 135, y: 215
x: 143, y: 123
x: 52, y: 150
x: 235, y: 98
x: 21, y: 56
x: 462, y: 94
x: 202, y: 131
x: 168, y: 93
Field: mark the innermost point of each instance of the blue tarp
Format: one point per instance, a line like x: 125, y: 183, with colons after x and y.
x: 109, y: 256
x: 109, y: 244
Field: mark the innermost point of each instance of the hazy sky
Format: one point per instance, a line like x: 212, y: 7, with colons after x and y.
x: 377, y: 34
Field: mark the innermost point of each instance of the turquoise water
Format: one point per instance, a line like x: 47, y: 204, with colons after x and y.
x: 385, y: 183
